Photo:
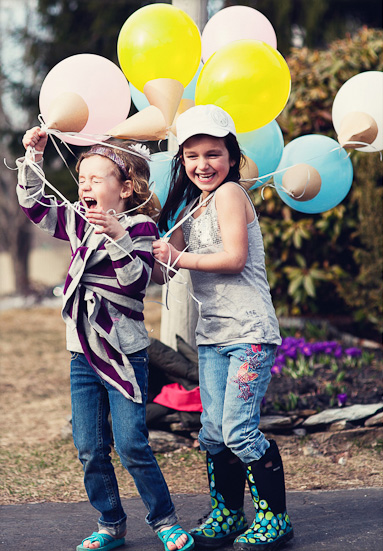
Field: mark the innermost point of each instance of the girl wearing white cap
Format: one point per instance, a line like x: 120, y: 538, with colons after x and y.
x: 237, y: 331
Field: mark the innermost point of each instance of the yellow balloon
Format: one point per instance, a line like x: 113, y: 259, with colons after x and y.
x: 159, y: 41
x: 247, y: 78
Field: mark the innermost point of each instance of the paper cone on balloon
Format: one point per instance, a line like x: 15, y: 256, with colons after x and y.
x: 68, y: 112
x: 357, y: 127
x: 302, y: 182
x: 148, y: 124
x: 184, y: 105
x: 166, y: 94
x: 249, y: 171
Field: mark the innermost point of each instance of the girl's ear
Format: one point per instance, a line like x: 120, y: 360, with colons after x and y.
x: 126, y: 189
x: 232, y: 163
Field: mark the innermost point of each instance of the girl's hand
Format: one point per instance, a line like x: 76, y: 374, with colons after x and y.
x: 36, y: 138
x: 162, y: 251
x: 107, y: 223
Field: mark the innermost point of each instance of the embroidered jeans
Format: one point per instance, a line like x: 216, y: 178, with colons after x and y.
x: 92, y: 401
x: 233, y: 381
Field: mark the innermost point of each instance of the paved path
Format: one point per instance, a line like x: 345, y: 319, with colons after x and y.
x: 341, y: 520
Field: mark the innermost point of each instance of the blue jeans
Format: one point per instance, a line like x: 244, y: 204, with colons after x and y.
x: 92, y: 400
x: 233, y: 381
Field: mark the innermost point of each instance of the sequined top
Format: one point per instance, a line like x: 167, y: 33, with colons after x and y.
x: 236, y: 308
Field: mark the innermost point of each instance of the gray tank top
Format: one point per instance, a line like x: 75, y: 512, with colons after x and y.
x: 236, y: 308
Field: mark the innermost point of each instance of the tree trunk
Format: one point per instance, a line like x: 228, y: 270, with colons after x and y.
x: 20, y: 252
x: 15, y: 228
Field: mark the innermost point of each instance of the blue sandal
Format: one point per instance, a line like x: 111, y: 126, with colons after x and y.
x: 172, y: 534
x: 106, y: 542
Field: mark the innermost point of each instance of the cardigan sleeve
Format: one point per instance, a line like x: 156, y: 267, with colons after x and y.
x: 132, y: 257
x: 47, y: 212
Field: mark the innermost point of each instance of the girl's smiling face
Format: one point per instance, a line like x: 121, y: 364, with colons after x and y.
x: 99, y: 185
x: 207, y: 162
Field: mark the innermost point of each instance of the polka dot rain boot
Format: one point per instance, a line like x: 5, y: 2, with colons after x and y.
x: 227, y: 485
x: 271, y: 528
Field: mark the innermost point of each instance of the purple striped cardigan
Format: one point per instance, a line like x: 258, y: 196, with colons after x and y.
x: 105, y: 285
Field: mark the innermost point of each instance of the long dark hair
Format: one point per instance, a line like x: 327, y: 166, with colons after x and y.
x: 183, y: 190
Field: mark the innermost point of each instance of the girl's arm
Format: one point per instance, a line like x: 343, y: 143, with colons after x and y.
x: 233, y: 217
x: 47, y: 213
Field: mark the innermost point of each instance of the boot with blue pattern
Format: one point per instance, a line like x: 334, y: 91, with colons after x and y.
x: 227, y: 485
x: 271, y: 528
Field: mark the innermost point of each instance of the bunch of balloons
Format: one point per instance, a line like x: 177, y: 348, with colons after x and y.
x: 167, y: 66
x: 315, y: 173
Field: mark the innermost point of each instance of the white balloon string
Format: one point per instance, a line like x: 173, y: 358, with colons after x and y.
x: 165, y: 270
x: 352, y: 142
x: 93, y: 139
x: 287, y: 191
x: 51, y: 133
x: 168, y: 267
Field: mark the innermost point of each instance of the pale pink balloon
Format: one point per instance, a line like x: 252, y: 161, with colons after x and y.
x: 235, y: 23
x: 100, y: 83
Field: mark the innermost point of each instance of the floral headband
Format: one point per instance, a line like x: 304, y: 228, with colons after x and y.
x: 139, y: 149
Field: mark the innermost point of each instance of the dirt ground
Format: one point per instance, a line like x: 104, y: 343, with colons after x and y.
x: 38, y: 460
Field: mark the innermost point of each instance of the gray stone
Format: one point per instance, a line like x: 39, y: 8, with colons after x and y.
x: 310, y: 451
x: 275, y: 422
x: 351, y: 413
x: 344, y: 424
x: 162, y: 441
x: 300, y: 432
x: 375, y: 421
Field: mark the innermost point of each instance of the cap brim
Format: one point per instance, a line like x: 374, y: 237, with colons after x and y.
x: 207, y: 131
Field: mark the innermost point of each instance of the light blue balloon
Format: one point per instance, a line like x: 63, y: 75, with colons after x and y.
x: 160, y: 167
x: 138, y: 98
x: 160, y: 170
x: 329, y: 159
x: 140, y: 101
x: 264, y: 146
x: 189, y: 92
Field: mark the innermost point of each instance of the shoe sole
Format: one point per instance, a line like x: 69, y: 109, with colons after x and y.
x: 214, y: 543
x: 270, y: 546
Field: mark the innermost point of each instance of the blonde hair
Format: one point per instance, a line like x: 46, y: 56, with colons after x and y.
x: 127, y: 166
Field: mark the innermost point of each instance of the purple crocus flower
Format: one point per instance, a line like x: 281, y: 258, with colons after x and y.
x: 353, y: 352
x: 306, y: 349
x: 276, y: 369
x: 338, y: 351
x: 318, y: 347
x: 291, y: 352
x: 330, y: 346
x: 342, y: 399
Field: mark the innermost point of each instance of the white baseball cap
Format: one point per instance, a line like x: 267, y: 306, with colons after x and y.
x: 204, y: 119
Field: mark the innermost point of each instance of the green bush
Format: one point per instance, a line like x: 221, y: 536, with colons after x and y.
x: 328, y: 264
